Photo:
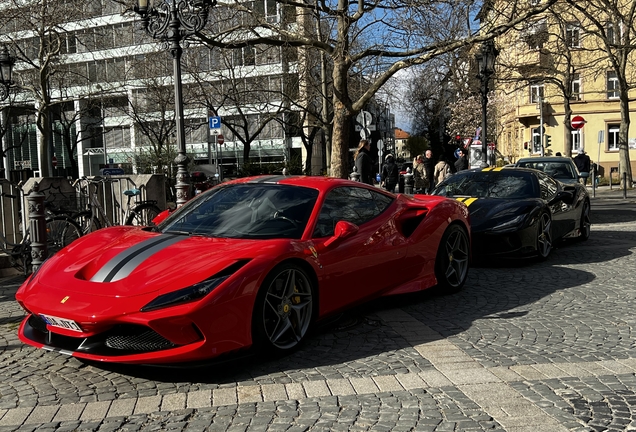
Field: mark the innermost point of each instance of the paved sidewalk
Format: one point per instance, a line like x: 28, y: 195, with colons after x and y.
x: 539, y: 347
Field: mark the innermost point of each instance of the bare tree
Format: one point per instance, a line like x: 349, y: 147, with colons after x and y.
x: 38, y: 53
x: 374, y: 39
x: 614, y: 25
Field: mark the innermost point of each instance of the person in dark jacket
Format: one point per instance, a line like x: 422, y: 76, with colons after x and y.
x: 364, y: 163
x: 429, y: 167
x: 582, y: 162
x: 390, y: 173
x: 461, y: 163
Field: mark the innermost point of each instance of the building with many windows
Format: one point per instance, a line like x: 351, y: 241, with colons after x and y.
x: 552, y: 70
x: 109, y: 92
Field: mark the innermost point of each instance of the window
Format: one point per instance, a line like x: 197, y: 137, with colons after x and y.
x: 576, y: 87
x: 536, y: 33
x: 612, y: 137
x: 536, y: 93
x: 352, y: 204
x: 117, y: 137
x: 611, y: 34
x: 612, y: 85
x: 267, y: 9
x: 576, y: 139
x: 573, y: 35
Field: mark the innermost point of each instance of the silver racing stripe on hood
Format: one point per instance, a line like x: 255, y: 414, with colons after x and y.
x: 125, y: 262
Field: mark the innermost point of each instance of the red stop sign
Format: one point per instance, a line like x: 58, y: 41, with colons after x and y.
x: 577, y: 122
x: 54, y: 161
x: 220, y: 139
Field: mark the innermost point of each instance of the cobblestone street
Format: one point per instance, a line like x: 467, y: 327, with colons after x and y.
x: 536, y: 347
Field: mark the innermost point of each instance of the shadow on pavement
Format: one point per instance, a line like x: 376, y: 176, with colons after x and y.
x: 357, y: 340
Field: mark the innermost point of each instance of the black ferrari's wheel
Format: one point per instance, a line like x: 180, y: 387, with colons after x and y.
x: 586, y: 223
x: 544, y: 236
x: 451, y: 265
x: 284, y: 309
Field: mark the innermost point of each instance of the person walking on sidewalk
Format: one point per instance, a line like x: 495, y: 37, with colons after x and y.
x: 429, y: 167
x: 364, y: 164
x: 583, y: 163
x: 390, y: 173
x: 442, y: 171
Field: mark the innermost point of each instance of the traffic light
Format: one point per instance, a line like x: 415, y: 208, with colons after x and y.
x: 537, y: 141
x: 547, y: 141
x: 458, y: 140
x: 525, y: 145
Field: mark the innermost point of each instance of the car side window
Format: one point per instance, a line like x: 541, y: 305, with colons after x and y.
x: 352, y: 204
x: 547, y: 186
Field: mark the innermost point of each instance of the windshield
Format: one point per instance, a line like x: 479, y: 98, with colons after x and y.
x: 558, y: 170
x: 245, y: 211
x: 489, y: 184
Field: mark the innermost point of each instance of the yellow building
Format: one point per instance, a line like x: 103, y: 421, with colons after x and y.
x: 558, y: 65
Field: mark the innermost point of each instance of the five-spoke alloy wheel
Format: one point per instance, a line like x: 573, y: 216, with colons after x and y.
x: 544, y: 236
x: 451, y: 266
x: 284, y: 308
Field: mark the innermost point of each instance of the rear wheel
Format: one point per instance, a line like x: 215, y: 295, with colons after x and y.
x: 544, y: 236
x: 586, y: 223
x: 61, y: 231
x: 143, y: 214
x: 451, y: 264
x: 284, y: 309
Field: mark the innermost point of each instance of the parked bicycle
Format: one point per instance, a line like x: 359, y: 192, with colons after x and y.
x: 61, y: 231
x: 137, y: 212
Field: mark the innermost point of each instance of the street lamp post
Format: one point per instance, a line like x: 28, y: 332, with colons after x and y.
x: 486, y: 68
x: 172, y: 21
x: 6, y: 68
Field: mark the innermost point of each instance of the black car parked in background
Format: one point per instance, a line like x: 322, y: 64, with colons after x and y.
x: 519, y: 212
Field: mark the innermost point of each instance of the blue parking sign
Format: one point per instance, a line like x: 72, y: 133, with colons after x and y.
x: 215, y: 122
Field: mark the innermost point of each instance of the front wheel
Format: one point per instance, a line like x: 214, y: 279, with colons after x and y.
x: 143, y: 214
x: 451, y: 264
x: 544, y: 236
x: 284, y: 309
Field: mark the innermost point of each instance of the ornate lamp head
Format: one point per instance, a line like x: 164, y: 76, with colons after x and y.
x: 6, y: 69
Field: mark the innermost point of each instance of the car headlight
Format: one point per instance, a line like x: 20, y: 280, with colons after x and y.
x: 193, y: 292
x: 185, y: 295
x: 510, y: 224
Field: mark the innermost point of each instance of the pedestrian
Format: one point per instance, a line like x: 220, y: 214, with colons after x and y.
x: 364, y: 164
x: 582, y: 162
x: 429, y: 166
x: 390, y: 173
x: 442, y: 170
x: 461, y: 163
x: 421, y: 181
x: 558, y: 154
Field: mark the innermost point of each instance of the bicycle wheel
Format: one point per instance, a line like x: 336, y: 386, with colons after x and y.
x: 87, y: 222
x: 61, y: 231
x: 143, y: 214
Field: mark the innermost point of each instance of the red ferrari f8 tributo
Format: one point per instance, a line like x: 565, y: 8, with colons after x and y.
x: 251, y: 262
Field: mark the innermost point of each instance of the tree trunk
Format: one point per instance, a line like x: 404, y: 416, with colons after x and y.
x: 340, y: 141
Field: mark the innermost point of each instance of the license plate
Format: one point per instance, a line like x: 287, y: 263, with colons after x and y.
x: 61, y: 323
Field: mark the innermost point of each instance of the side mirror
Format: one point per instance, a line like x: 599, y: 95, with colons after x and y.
x: 342, y: 231
x: 565, y: 196
x: 584, y: 175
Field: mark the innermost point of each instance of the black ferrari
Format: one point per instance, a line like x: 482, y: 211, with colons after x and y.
x: 519, y: 212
